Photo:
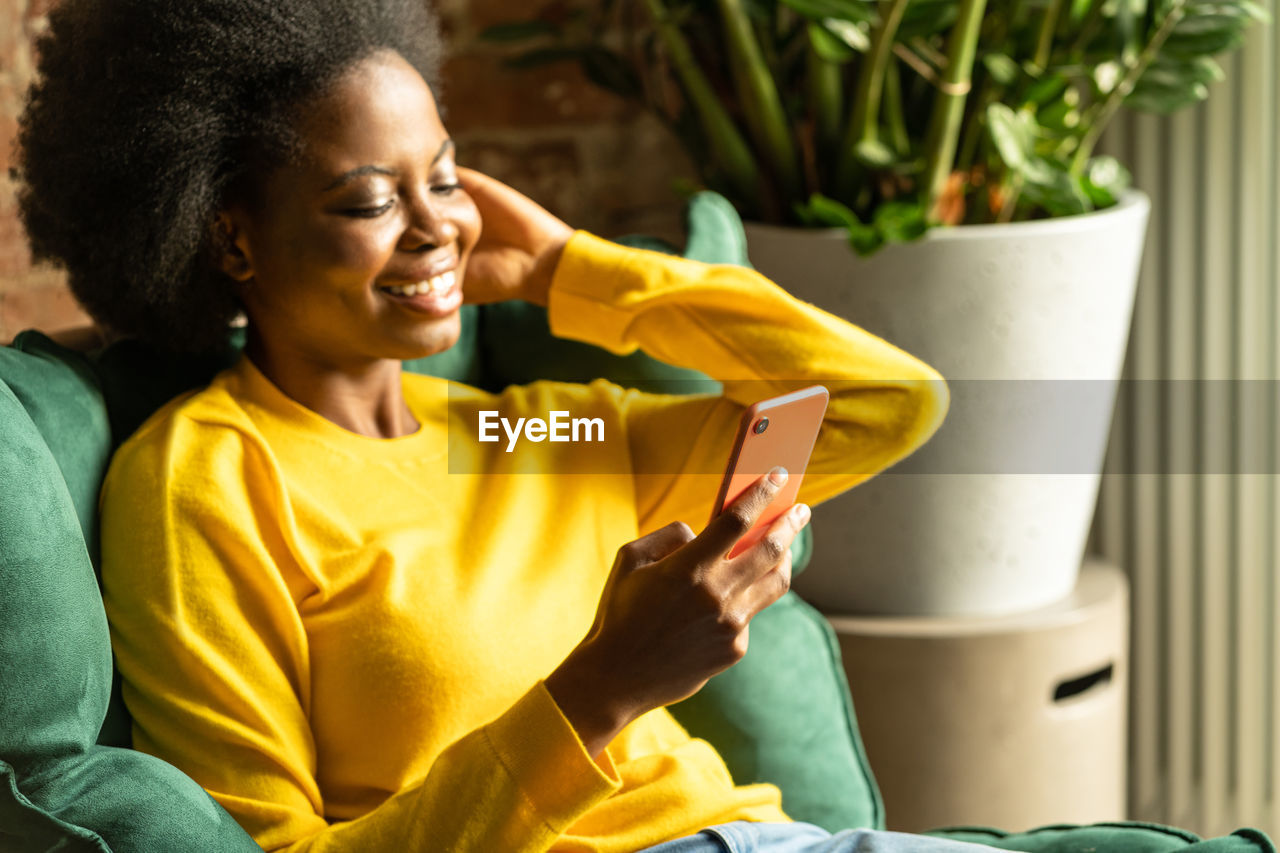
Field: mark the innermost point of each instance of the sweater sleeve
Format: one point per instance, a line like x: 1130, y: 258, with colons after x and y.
x: 758, y: 341
x: 204, y: 588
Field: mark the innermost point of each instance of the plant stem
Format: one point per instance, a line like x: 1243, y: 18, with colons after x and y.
x: 1045, y: 41
x: 866, y: 100
x: 732, y: 155
x: 826, y: 97
x: 893, y: 117
x: 972, y: 132
x: 1088, y: 29
x: 761, y: 104
x: 1106, y: 111
x: 948, y: 111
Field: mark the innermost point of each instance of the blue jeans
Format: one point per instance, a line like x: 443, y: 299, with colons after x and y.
x: 746, y: 837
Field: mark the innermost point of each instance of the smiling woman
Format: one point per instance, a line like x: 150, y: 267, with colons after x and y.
x: 349, y: 647
x: 360, y: 271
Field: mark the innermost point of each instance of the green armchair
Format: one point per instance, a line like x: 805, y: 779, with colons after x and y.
x: 69, y: 780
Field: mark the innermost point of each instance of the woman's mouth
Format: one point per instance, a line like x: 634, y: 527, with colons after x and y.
x: 437, y: 296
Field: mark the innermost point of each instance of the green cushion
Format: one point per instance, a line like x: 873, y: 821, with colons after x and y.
x: 1120, y: 837
x: 783, y: 715
x: 59, y: 390
x: 136, y: 380
x: 58, y: 789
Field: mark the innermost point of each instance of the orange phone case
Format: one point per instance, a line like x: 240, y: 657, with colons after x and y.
x: 792, y: 425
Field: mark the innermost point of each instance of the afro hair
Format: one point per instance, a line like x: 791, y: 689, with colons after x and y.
x: 146, y: 116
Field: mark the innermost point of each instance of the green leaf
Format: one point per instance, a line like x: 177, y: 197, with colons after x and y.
x: 612, y: 72
x: 924, y: 18
x: 1061, y: 115
x: 845, y: 10
x: 1105, y: 179
x: 874, y: 153
x: 1080, y: 8
x: 865, y: 239
x: 854, y: 34
x: 1128, y: 14
x: 1106, y: 75
x: 822, y: 210
x: 1208, y: 29
x: 900, y: 222
x: 1205, y: 44
x: 542, y: 56
x: 1219, y: 20
x: 1061, y: 194
x: 1255, y: 11
x: 828, y: 46
x: 1170, y: 84
x: 519, y: 31
x: 1166, y: 101
x: 1001, y: 68
x: 1013, y: 139
x: 1045, y: 89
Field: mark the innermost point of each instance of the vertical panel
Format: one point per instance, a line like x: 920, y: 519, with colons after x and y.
x: 1216, y: 565
x: 1149, y: 551
x: 1205, y: 706
x: 1255, y: 426
x: 1271, y: 238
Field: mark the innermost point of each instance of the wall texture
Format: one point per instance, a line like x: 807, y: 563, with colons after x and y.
x: 587, y: 156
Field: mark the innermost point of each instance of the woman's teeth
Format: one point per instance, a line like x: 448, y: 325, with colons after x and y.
x: 439, y: 285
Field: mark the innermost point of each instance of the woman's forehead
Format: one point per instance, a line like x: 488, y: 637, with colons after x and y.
x: 380, y: 112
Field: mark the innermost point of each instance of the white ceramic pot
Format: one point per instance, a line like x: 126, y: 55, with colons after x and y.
x: 1028, y: 322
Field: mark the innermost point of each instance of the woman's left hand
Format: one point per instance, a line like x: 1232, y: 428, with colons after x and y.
x: 519, y: 246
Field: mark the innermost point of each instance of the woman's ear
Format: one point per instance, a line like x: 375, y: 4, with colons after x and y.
x: 231, y: 249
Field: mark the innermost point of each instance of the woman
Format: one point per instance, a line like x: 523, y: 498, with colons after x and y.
x: 347, y: 642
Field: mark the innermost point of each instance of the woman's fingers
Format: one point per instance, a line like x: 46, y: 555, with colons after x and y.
x: 654, y: 546
x: 506, y: 212
x: 769, y: 587
x: 724, y: 531
x: 494, y: 199
x: 519, y: 247
x: 769, y: 554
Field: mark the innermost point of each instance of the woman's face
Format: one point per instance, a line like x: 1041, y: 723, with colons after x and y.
x: 358, y: 252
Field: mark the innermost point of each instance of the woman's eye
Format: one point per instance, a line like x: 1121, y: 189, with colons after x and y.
x: 369, y: 212
x: 445, y: 189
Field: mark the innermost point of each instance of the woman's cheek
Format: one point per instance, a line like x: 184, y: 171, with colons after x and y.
x: 363, y: 250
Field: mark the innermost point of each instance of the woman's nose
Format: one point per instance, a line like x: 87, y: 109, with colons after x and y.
x: 429, y: 226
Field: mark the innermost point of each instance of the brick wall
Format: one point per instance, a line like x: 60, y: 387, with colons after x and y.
x: 587, y: 156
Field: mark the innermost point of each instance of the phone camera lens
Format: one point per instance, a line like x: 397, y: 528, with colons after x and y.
x: 762, y: 425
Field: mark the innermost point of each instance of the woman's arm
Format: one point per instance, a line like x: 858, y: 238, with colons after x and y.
x: 726, y: 321
x: 736, y: 326
x: 202, y: 583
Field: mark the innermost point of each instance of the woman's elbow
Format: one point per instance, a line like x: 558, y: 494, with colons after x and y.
x: 929, y: 399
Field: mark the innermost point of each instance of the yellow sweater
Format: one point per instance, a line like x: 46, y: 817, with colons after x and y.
x: 343, y: 639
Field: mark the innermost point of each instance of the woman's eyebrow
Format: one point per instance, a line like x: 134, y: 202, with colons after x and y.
x: 360, y: 171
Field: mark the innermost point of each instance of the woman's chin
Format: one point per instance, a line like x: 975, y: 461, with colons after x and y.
x: 442, y: 336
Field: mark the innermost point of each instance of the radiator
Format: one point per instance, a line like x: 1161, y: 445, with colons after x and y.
x: 1189, y: 504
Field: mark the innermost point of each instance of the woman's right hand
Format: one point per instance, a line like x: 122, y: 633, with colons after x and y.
x: 674, y: 612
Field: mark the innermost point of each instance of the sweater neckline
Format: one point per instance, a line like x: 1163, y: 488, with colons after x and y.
x: 426, y: 401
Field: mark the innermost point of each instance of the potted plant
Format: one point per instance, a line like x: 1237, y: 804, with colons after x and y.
x: 846, y: 132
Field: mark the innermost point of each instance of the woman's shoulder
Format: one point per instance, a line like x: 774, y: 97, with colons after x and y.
x: 197, y: 427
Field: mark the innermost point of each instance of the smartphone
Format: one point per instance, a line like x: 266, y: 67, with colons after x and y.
x: 773, y: 432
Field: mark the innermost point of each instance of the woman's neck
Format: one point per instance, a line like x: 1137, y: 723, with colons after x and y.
x: 366, y: 399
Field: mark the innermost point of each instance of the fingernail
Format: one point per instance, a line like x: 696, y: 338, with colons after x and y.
x: 778, y: 476
x: 801, y: 513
